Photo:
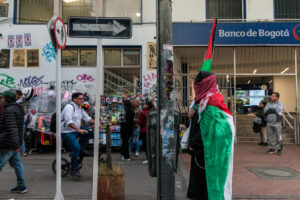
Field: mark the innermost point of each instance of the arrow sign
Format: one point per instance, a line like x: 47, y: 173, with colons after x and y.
x: 92, y: 27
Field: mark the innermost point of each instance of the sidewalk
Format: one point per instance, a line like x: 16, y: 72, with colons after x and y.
x: 257, y: 175
x: 41, y: 182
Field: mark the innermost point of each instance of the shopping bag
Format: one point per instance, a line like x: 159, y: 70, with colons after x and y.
x: 185, y: 138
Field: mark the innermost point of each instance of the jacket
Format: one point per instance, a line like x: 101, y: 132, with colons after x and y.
x: 273, y: 112
x: 11, y: 126
x: 143, y: 121
x: 260, y: 113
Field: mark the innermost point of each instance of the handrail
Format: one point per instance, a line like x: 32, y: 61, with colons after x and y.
x: 289, y: 114
x: 117, y: 86
x: 119, y: 78
x: 287, y: 122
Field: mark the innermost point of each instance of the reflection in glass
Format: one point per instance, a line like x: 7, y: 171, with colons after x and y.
x: 88, y: 57
x: 69, y: 57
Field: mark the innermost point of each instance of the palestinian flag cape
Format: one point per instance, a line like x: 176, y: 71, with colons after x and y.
x: 218, y: 132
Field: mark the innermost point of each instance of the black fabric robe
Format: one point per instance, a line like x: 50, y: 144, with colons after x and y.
x: 197, y: 184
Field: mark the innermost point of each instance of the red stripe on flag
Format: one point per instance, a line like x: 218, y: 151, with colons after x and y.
x: 211, y: 42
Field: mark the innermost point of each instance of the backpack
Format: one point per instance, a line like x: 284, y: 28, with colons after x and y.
x: 53, y: 119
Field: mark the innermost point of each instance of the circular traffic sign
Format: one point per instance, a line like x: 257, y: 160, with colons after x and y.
x: 60, y: 33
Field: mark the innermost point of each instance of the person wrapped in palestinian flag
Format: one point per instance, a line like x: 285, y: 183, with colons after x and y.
x: 211, y: 138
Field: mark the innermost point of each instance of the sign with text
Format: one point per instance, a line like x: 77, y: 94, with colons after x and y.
x: 93, y: 27
x: 242, y: 33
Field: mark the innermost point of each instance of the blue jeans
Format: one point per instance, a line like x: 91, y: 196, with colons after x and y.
x: 134, y: 140
x: 71, y: 141
x: 9, y: 155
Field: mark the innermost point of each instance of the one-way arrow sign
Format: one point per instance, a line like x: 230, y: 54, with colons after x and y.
x: 92, y: 27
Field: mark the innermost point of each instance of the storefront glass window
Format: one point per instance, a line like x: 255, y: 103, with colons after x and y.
x: 88, y: 57
x: 39, y: 11
x: 229, y: 9
x: 112, y: 57
x: 287, y: 9
x: 131, y: 57
x: 69, y: 57
x: 85, y: 8
x: 124, y: 8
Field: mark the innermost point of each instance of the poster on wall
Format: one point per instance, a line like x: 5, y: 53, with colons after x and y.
x: 4, y: 58
x: 33, y: 58
x: 19, y: 41
x: 27, y: 39
x: 3, y: 9
x: 151, y: 56
x: 10, y: 41
x: 19, y: 57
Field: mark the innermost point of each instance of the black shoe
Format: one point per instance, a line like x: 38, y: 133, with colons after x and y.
x: 264, y: 144
x: 84, y: 152
x: 270, y: 151
x: 260, y: 143
x: 279, y: 152
x: 75, y: 174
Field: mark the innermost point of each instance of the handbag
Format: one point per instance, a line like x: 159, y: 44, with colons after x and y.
x: 185, y: 138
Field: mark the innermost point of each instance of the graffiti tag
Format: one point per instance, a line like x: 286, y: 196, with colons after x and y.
x: 49, y: 52
x: 68, y: 84
x: 149, y: 79
x: 85, y: 78
x: 7, y: 81
x: 31, y: 81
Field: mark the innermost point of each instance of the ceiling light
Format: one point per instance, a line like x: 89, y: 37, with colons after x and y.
x: 138, y: 14
x: 284, y: 70
x: 69, y: 1
x: 254, y: 71
x: 249, y: 82
x: 270, y: 81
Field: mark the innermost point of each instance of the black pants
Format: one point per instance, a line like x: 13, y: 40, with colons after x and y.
x: 125, y: 146
x: 143, y: 136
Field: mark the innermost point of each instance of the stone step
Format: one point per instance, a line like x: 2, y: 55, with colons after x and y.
x: 257, y: 139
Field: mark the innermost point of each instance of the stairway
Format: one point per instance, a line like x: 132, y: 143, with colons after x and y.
x: 245, y: 133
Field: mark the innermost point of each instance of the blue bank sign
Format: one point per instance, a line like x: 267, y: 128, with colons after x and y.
x: 244, y: 33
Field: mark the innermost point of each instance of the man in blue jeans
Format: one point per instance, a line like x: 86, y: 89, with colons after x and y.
x: 72, y: 115
x: 11, y: 128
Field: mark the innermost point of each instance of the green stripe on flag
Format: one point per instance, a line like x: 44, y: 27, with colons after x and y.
x: 217, y: 141
x: 206, y: 65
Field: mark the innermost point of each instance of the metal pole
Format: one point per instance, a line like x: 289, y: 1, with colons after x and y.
x: 59, y: 195
x: 165, y: 132
x: 296, y: 80
x: 234, y: 90
x: 99, y: 91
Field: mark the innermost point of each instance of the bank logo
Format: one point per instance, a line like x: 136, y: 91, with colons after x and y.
x: 296, y: 32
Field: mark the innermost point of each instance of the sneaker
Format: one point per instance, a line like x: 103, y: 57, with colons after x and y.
x: 19, y: 190
x: 145, y: 162
x: 75, y: 174
x: 125, y: 159
x: 137, y: 154
x: 279, y: 152
x: 270, y: 151
x: 264, y: 144
x: 23, y: 154
x: 260, y: 143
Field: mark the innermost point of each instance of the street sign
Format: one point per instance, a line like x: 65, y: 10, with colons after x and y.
x: 60, y: 33
x: 93, y: 27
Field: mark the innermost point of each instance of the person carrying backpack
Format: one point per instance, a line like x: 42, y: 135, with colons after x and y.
x: 72, y: 115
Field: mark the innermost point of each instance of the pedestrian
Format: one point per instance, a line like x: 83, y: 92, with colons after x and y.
x: 11, y: 128
x: 263, y: 130
x: 72, y: 116
x: 126, y: 120
x: 135, y: 138
x: 143, y: 126
x: 210, y: 142
x: 273, y: 112
x: 19, y: 100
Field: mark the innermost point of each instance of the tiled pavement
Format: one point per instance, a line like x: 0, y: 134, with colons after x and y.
x: 258, y: 175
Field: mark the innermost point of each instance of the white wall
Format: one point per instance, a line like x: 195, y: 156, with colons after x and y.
x: 259, y: 9
x: 285, y: 85
x: 40, y: 37
x: 188, y: 10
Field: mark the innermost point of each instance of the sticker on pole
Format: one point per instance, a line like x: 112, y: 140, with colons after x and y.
x: 60, y: 33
